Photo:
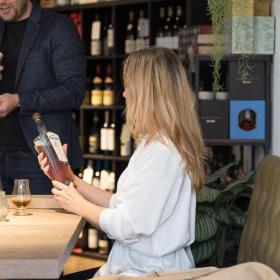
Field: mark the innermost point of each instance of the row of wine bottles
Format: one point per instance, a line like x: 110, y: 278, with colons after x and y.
x: 99, y: 175
x: 92, y: 240
x: 102, y: 139
x: 137, y: 31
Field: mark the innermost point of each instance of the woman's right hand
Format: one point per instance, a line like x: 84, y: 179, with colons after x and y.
x: 43, y: 161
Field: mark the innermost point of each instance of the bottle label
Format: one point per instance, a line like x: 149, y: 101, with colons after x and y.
x: 125, y: 149
x: 103, y: 246
x: 92, y: 238
x: 95, y: 30
x: 87, y: 175
x: 55, y: 141
x: 140, y: 44
x: 95, y: 47
x: 143, y: 26
x: 110, y: 38
x: 96, y: 182
x: 104, y: 139
x: 129, y: 46
x: 108, y: 97
x: 96, y: 97
x: 175, y: 43
x: 93, y: 144
x: 111, y: 139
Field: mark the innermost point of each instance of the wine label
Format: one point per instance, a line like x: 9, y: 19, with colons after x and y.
x: 96, y: 30
x: 96, y: 97
x: 93, y: 144
x: 110, y: 38
x: 55, y: 141
x: 108, y: 97
x: 88, y: 175
x: 95, y: 47
x: 103, y: 139
x: 130, y: 46
x: 111, y: 139
x: 92, y: 238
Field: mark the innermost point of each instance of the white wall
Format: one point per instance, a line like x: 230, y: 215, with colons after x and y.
x: 276, y: 83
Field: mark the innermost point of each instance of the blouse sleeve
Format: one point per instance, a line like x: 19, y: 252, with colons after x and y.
x: 140, y: 206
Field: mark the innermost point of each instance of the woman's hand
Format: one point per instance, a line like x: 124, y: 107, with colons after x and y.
x: 68, y: 197
x: 43, y: 161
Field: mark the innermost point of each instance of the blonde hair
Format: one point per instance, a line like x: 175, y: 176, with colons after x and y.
x: 161, y: 103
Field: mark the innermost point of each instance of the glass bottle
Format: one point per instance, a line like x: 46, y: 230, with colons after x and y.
x: 93, y: 144
x: 49, y: 143
x: 130, y: 44
x: 96, y: 92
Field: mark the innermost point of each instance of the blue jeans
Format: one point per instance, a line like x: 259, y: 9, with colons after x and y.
x: 23, y: 165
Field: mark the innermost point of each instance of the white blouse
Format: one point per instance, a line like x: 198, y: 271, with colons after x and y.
x: 152, y: 215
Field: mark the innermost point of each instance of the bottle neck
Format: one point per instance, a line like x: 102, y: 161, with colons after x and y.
x: 41, y: 128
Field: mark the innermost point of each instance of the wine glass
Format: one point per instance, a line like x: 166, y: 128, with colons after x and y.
x: 21, y: 196
x: 4, y: 207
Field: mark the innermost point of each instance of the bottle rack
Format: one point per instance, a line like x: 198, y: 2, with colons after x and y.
x: 194, y: 13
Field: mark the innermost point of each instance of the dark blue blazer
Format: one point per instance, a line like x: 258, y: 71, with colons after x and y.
x: 50, y: 77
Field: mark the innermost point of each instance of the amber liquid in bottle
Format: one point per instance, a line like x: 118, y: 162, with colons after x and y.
x: 49, y: 143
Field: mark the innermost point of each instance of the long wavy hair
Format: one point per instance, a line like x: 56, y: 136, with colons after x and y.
x: 160, y: 103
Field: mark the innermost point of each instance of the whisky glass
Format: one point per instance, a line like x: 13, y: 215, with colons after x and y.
x: 21, y: 196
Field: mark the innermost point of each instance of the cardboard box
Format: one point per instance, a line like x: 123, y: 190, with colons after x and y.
x: 247, y: 8
x: 250, y: 35
x: 213, y: 116
x: 264, y: 35
x: 253, y: 88
x: 239, y: 35
x: 237, y: 108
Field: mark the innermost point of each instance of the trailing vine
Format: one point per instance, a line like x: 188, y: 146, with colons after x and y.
x: 216, y: 11
x: 244, y: 68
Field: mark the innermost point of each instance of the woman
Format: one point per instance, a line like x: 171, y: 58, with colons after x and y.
x: 152, y: 215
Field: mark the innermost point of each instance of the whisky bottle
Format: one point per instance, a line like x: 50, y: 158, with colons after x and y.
x: 49, y: 143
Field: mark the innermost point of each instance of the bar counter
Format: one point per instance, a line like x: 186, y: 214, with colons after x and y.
x: 37, y: 246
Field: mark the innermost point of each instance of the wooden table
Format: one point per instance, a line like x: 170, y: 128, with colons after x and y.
x: 37, y: 246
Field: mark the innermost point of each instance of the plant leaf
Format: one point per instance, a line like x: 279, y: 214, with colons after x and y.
x: 205, y: 227
x: 207, y: 195
x: 239, y: 220
x: 219, y: 174
x: 221, y: 215
x: 203, y: 250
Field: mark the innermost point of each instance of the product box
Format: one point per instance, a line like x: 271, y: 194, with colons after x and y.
x: 213, y: 116
x: 264, y: 35
x: 247, y: 8
x: 251, y: 88
x: 247, y: 119
x: 239, y: 35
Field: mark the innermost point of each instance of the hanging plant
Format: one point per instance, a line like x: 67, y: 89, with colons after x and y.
x: 216, y: 11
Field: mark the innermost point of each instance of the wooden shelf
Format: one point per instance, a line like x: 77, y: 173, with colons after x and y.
x: 105, y: 157
x: 231, y: 142
x: 232, y: 57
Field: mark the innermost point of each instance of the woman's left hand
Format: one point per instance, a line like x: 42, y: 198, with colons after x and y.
x: 68, y: 197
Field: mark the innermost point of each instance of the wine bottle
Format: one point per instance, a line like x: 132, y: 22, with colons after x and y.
x: 107, y: 134
x: 96, y: 177
x: 49, y: 143
x: 93, y: 239
x: 168, y: 41
x: 108, y: 35
x: 88, y: 173
x: 125, y: 140
x: 96, y: 36
x: 96, y: 92
x: 108, y: 94
x: 130, y: 36
x: 104, y: 176
x: 103, y: 244
x: 160, y: 30
x: 142, y: 31
x: 94, y: 135
x: 176, y: 26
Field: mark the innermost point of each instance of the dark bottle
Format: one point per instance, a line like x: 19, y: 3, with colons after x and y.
x: 93, y: 145
x: 96, y: 92
x: 160, y: 30
x: 168, y: 39
x: 108, y: 93
x: 49, y: 143
x: 177, y: 24
x: 247, y: 120
x: 130, y: 44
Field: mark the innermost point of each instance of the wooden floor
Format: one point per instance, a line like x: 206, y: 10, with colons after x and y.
x: 76, y: 263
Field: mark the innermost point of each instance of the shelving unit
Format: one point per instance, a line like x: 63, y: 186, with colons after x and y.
x: 194, y: 13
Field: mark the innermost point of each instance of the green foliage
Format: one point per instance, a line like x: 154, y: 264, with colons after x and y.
x: 216, y: 11
x: 221, y: 215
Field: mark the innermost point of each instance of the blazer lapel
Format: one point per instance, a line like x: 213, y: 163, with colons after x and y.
x: 31, y: 33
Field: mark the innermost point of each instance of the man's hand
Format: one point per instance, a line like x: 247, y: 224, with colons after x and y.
x: 8, y: 102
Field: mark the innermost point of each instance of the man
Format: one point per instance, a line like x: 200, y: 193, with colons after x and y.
x: 43, y: 70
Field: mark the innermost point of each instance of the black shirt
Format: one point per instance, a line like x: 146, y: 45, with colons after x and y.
x: 11, y: 135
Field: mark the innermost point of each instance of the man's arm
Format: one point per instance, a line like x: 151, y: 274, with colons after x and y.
x: 68, y: 65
